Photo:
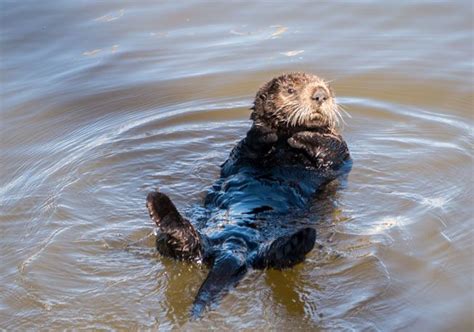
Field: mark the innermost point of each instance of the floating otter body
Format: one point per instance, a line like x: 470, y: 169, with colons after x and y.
x: 291, y: 151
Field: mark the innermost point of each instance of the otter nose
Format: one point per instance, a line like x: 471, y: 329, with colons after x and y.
x: 320, y: 95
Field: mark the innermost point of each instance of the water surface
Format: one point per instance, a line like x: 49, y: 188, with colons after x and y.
x: 104, y: 102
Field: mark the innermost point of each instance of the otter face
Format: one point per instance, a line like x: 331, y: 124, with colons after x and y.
x: 296, y: 100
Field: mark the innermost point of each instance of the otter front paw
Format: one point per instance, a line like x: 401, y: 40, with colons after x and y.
x: 268, y: 138
x: 301, y: 141
x: 262, y: 135
x: 295, y: 143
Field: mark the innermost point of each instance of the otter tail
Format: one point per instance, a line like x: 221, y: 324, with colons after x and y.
x: 177, y: 238
x: 228, y: 268
x: 285, y: 251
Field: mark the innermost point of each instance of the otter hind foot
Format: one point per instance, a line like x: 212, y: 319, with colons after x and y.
x: 286, y: 251
x: 177, y: 237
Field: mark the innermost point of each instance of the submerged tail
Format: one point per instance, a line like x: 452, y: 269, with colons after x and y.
x: 177, y: 237
x: 228, y: 268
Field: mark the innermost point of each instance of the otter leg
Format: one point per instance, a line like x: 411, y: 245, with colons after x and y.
x: 228, y: 268
x: 286, y: 251
x: 177, y: 238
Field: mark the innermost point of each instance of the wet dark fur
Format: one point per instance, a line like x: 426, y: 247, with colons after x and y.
x: 291, y: 151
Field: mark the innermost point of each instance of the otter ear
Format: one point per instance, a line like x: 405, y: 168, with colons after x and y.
x: 262, y: 93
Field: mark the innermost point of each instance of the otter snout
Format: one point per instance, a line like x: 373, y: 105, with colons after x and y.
x: 320, y: 95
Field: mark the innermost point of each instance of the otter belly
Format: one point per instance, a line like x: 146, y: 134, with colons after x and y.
x: 253, y: 191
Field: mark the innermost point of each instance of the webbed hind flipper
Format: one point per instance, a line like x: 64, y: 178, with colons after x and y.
x: 177, y: 238
x: 286, y: 251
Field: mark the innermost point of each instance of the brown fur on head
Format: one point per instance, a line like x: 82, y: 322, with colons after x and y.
x: 296, y: 100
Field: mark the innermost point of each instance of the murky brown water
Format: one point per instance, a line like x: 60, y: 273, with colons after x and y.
x: 101, y: 103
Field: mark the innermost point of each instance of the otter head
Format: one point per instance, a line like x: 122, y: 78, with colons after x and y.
x: 296, y: 100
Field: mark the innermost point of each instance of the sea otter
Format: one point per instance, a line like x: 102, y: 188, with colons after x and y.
x: 292, y: 149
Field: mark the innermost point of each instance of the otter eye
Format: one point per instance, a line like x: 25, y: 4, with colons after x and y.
x: 291, y: 91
